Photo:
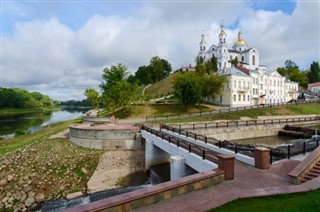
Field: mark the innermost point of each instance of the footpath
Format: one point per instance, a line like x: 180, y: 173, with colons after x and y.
x: 248, y: 182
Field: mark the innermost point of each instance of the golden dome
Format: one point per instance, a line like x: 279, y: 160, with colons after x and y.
x: 240, y: 42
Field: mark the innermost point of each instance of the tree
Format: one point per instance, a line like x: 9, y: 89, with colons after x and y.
x: 188, y: 88
x: 117, y: 92
x: 160, y: 68
x: 291, y: 71
x: 93, y: 97
x: 113, y: 75
x: 234, y: 62
x: 143, y: 75
x: 213, y: 85
x: 314, y: 73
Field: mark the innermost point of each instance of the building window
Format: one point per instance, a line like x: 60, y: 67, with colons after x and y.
x: 240, y: 49
x: 224, y: 40
x: 253, y: 59
x: 242, y: 58
x: 230, y: 58
x: 248, y: 98
x: 239, y: 98
x: 244, y: 97
x: 227, y: 84
x: 224, y: 51
x: 225, y: 65
x: 239, y: 84
x: 234, y: 98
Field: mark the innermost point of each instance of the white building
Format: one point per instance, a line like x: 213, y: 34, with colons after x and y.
x: 314, y: 87
x: 249, y: 83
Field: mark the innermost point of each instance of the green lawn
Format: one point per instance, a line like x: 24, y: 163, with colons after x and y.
x: 309, y: 201
x: 10, y: 145
x: 303, y: 109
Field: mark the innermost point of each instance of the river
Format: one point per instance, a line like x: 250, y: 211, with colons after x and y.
x: 20, y: 124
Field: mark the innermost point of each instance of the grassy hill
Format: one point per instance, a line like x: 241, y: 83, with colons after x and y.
x: 161, y: 88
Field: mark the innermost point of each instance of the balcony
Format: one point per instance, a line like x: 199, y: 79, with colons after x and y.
x: 243, y: 90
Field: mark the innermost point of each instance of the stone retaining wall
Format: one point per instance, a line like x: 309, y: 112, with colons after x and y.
x: 106, y: 139
x: 154, y: 194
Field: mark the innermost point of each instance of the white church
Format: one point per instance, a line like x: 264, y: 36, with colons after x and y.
x: 249, y: 83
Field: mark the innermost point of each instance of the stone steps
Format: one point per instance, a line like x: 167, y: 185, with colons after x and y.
x: 313, y: 173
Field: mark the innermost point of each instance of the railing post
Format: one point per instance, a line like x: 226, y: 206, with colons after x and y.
x: 227, y: 124
x: 236, y: 149
x: 217, y: 125
x: 187, y: 134
x: 193, y: 126
x: 162, y: 136
x: 304, y: 148
x: 169, y: 139
x: 255, y: 122
x: 203, y: 154
x: 264, y: 122
x: 237, y: 123
x: 246, y: 123
x: 270, y: 156
x: 189, y: 147
x: 178, y: 143
x: 146, y: 118
x: 195, y: 136
x: 179, y: 131
x: 205, y: 125
x: 219, y: 143
x: 288, y: 152
x: 205, y: 139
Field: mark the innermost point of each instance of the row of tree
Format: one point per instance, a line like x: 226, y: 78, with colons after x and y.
x: 291, y: 71
x: 157, y: 70
x: 20, y: 98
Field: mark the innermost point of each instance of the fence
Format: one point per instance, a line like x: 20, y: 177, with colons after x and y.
x: 205, y: 153
x: 224, y: 110
x: 278, y: 153
x: 239, y: 123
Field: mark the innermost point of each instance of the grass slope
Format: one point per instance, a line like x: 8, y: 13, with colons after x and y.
x: 303, y: 109
x: 161, y: 88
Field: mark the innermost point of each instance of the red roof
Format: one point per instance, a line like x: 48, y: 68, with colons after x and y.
x: 315, y: 84
x: 244, y: 70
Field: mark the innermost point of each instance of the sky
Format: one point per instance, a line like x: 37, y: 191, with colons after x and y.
x: 60, y: 47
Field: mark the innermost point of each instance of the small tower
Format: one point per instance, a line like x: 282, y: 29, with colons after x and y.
x: 203, y: 42
x: 222, y: 35
x: 202, y: 45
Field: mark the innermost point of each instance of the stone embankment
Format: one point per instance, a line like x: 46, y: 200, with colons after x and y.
x: 46, y: 170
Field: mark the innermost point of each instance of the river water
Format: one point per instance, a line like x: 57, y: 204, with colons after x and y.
x: 21, y: 124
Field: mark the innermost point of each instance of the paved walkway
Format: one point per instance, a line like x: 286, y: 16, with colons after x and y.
x: 248, y: 181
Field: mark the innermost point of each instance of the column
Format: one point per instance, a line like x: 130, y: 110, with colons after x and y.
x: 178, y: 167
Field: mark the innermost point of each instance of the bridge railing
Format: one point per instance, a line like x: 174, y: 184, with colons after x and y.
x: 205, y: 153
x: 225, y: 110
x: 236, y: 123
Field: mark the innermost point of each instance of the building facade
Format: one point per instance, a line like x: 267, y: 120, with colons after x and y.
x: 249, y: 83
x: 314, y: 87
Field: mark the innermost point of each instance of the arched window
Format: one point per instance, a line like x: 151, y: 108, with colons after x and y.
x: 224, y: 40
x: 242, y: 58
x: 253, y: 59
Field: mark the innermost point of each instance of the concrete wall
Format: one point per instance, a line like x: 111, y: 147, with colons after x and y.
x: 154, y: 194
x: 236, y: 133
x: 92, y: 119
x: 106, y: 139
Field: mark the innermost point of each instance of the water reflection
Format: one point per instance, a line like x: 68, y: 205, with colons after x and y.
x: 20, y: 124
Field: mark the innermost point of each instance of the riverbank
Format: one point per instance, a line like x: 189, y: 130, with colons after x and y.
x: 34, y: 168
x: 16, y: 111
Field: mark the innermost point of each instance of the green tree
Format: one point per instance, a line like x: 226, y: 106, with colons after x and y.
x: 234, y: 62
x: 314, y: 73
x: 212, y: 86
x: 93, y: 97
x: 113, y: 75
x: 117, y: 92
x: 292, y: 71
x: 143, y: 75
x: 188, y: 88
x: 160, y: 68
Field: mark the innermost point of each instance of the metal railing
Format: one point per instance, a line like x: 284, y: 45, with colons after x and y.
x: 224, y: 110
x: 241, y: 123
x: 204, y: 153
x: 278, y: 153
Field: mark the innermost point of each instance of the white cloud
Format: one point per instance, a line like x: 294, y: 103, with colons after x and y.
x: 50, y: 57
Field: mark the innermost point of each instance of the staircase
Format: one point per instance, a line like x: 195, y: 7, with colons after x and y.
x: 313, y: 173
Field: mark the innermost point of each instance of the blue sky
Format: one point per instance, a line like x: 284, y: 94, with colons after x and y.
x: 61, y: 47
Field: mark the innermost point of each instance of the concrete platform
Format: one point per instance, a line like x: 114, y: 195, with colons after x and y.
x: 248, y: 182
